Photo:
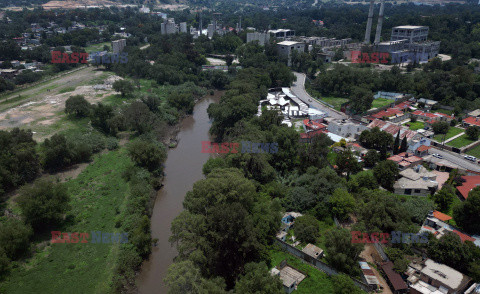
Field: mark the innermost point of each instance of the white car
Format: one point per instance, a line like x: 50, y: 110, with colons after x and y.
x: 437, y: 156
x: 471, y: 158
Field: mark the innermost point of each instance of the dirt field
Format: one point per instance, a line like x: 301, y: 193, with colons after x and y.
x: 70, y: 4
x: 46, y: 103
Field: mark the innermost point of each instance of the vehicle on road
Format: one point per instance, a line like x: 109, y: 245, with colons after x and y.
x: 309, y: 100
x: 437, y: 156
x: 471, y: 158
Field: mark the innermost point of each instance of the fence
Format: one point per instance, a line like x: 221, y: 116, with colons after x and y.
x: 398, y: 101
x: 380, y: 251
x: 318, y: 264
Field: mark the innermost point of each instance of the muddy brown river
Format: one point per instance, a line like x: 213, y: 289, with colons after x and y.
x: 183, y: 168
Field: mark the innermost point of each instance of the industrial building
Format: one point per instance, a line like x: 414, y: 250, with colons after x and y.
x: 118, y: 45
x: 408, y: 44
x: 281, y: 33
x: 168, y: 27
x: 286, y: 48
x: 262, y: 38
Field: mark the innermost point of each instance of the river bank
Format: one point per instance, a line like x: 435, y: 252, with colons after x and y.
x: 183, y: 168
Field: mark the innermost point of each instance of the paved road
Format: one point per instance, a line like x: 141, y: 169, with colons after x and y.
x: 457, y: 159
x: 298, y: 89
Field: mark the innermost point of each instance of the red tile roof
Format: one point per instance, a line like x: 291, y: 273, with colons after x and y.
x: 472, y: 121
x: 464, y: 237
x: 470, y: 183
x: 441, y: 216
x: 423, y: 148
x: 387, y: 113
x: 395, y: 279
x: 312, y: 134
x: 311, y: 124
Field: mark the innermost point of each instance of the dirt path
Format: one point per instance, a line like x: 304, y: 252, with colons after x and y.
x: 371, y: 255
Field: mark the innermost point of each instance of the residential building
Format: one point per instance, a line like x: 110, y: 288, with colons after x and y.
x: 429, y: 277
x: 467, y: 186
x: 290, y: 276
x: 144, y: 9
x: 389, y: 95
x: 286, y: 48
x: 427, y: 102
x: 288, y: 219
x: 368, y: 275
x: 393, y: 129
x: 471, y: 121
x: 261, y: 38
x: 436, y: 224
x: 313, y: 251
x: 394, y: 280
x: 118, y: 45
x: 346, y: 128
x: 309, y: 124
x: 422, y: 150
x: 416, y: 181
x: 405, y: 160
x: 431, y: 118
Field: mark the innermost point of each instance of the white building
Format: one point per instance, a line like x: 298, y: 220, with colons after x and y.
x: 183, y: 27
x: 169, y: 27
x: 286, y: 48
x: 262, y: 38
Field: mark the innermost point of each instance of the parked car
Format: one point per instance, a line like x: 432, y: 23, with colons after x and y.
x: 310, y: 100
x: 471, y: 158
x: 437, y: 156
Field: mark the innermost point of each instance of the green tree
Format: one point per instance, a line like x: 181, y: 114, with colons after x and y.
x: 77, y: 105
x: 56, y: 153
x: 361, y: 100
x: 315, y: 153
x: 404, y: 146
x: 343, y: 284
x: 466, y: 213
x: 14, y: 238
x: 342, y: 203
x: 147, y: 154
x: 348, y: 163
x: 396, y: 144
x: 444, y: 198
x: 371, y: 158
x: 186, y: 277
x: 44, y: 203
x: 257, y: 279
x: 307, y: 229
x: 124, y: 87
x: 386, y: 173
x: 472, y: 133
x: 342, y: 254
x: 440, y: 127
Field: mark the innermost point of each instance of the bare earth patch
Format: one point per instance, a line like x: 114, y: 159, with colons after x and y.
x: 48, y: 108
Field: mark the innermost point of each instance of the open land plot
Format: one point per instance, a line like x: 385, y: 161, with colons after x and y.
x: 380, y: 102
x: 336, y: 102
x: 416, y: 125
x: 316, y: 281
x: 460, y: 142
x: 475, y: 151
x: 44, y: 111
x: 451, y: 132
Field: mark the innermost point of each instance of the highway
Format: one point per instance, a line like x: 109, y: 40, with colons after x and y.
x: 298, y: 88
x: 457, y: 159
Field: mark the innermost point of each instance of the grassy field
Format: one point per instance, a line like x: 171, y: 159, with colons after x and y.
x: 336, y: 102
x: 98, y: 47
x: 97, y: 197
x: 380, y: 102
x: 316, y: 281
x: 416, y: 125
x: 451, y: 132
x: 474, y: 151
x: 460, y: 141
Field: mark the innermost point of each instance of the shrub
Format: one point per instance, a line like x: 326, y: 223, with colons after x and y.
x: 77, y: 106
